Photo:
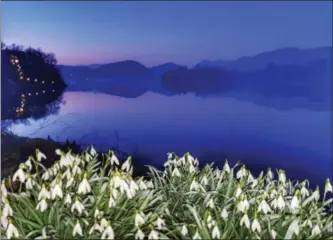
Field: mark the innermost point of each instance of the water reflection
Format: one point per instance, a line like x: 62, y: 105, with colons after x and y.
x: 212, y: 128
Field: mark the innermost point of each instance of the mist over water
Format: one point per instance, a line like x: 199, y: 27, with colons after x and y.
x: 212, y: 129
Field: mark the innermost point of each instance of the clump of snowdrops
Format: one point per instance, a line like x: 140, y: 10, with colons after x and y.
x: 80, y: 196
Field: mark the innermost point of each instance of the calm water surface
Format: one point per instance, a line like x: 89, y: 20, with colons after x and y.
x: 212, y: 129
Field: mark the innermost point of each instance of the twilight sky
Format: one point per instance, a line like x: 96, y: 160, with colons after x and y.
x: 158, y: 32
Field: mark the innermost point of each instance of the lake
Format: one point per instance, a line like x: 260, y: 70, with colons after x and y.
x: 212, y: 129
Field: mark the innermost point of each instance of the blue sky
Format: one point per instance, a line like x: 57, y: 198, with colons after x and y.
x: 157, y: 32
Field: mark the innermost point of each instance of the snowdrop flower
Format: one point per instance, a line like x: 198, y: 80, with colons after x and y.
x: 112, y: 202
x: 153, y: 235
x: 150, y: 184
x: 280, y: 202
x: 241, y: 173
x: 104, y: 224
x: 307, y: 223
x: 29, y: 184
x: 170, y: 156
x: 243, y: 205
x: 46, y: 175
x: 114, y: 160
x: 160, y: 223
x: 204, y: 181
x: 184, y: 231
x: 44, y: 194
x: 316, y: 231
x: 139, y: 219
x: 194, y: 186
x: 108, y: 232
x: 66, y: 160
x: 175, y: 172
x: 58, y: 152
x: 67, y: 174
x: 304, y: 192
x: 139, y: 235
x: 77, y: 230
x: 256, y: 226
x: 78, y: 206
x: 295, y: 228
x: 7, y: 210
x: 210, y: 203
x: 126, y: 165
x: 42, y: 205
x: 28, y: 164
x: 4, y: 221
x: 11, y: 230
x: 56, y: 191
x: 133, y: 187
x: 142, y: 185
x: 196, y: 235
x: 294, y: 205
x: 316, y: 194
x: 92, y: 151
x: 226, y: 167
x: 196, y: 162
x: 282, y: 176
x: 98, y: 213
x: 250, y: 178
x: 69, y: 182
x: 328, y: 186
x: 224, y: 214
x: 96, y: 227
x: 270, y: 174
x: 84, y: 186
x: 254, y: 183
x: 68, y: 199
x: 216, y: 233
x: 76, y: 169
x: 273, y: 194
x: 274, y: 203
x: 238, y: 191
x: 245, y: 221
x: 20, y: 174
x: 40, y: 156
x: 264, y: 207
x: 273, y: 234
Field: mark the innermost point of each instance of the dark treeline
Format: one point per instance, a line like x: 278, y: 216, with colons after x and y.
x: 31, y: 82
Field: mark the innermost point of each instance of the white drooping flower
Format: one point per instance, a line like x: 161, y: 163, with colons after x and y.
x: 133, y: 187
x: 68, y: 199
x: 139, y: 235
x: 204, y: 181
x: 44, y: 193
x: 47, y: 174
x: 19, y: 174
x: 139, y: 219
x: 114, y: 160
x: 112, y: 202
x: 42, y: 205
x: 92, y: 151
x: 108, y: 233
x: 4, y: 191
x: 28, y: 164
x: 153, y: 235
x: 104, y: 224
x: 238, y: 191
x: 150, y: 184
x: 226, y: 167
x: 12, y: 231
x: 96, y: 227
x: 69, y: 182
x: 4, y: 221
x: 210, y: 203
x: 126, y: 165
x: 66, y: 160
x: 316, y: 194
x: 29, y: 183
x: 304, y: 192
x: 184, y: 231
x: 77, y: 230
x: 175, y: 172
x: 7, y: 211
x: 282, y: 177
x: 316, y: 231
x: 142, y: 185
x: 224, y: 214
x: 243, y: 205
x: 255, y: 227
x: 245, y: 221
x: 56, y: 191
x: 78, y: 206
x: 196, y: 236
x: 273, y: 234
x: 294, y: 205
x: 58, y: 152
x: 270, y: 174
x: 264, y: 207
x: 216, y: 233
x: 84, y: 186
x: 328, y: 186
x: 160, y: 223
x: 40, y: 156
x: 76, y: 169
x: 280, y: 202
x: 241, y: 173
x: 194, y: 186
